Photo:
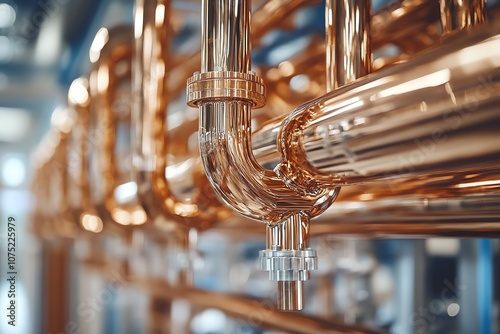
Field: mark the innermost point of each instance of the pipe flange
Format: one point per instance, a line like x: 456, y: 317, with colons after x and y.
x: 219, y: 85
x: 288, y: 265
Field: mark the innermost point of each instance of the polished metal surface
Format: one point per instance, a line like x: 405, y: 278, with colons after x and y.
x: 225, y: 36
x: 151, y: 68
x: 270, y: 318
x: 430, y: 115
x: 461, y: 14
x: 225, y: 134
x: 414, y: 146
x: 348, y: 49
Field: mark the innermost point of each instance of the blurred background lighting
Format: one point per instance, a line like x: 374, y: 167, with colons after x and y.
x: 13, y: 171
x: 6, y: 50
x: 453, y: 309
x: 7, y: 15
x: 14, y: 124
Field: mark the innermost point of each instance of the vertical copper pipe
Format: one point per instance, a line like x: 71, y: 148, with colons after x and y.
x: 348, y: 51
x: 461, y: 14
x: 225, y: 36
x: 55, y: 295
x: 151, y: 72
x: 225, y: 92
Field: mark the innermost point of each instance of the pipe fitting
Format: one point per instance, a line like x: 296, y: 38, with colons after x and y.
x: 219, y: 85
x: 225, y: 92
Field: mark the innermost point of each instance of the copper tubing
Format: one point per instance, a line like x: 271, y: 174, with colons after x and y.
x: 264, y: 19
x: 151, y: 66
x: 78, y: 191
x: 460, y: 14
x: 111, y: 55
x: 225, y: 132
x: 256, y: 312
x: 403, y: 20
x: 433, y: 113
x: 225, y: 92
x: 348, y: 51
x: 396, y: 24
x: 271, y: 13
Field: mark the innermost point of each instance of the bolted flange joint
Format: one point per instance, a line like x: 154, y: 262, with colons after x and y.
x: 223, y: 85
x: 288, y: 265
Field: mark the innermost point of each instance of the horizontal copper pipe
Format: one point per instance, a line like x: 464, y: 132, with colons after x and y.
x: 473, y: 216
x: 260, y: 312
x: 434, y: 113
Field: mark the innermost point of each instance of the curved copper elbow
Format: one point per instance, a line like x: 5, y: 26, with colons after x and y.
x: 152, y: 60
x: 111, y: 54
x: 225, y: 92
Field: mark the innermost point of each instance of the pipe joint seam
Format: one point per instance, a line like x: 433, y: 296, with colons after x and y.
x: 218, y: 85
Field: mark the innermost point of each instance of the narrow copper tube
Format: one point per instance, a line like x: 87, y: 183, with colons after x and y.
x: 461, y: 14
x: 111, y: 55
x: 150, y: 72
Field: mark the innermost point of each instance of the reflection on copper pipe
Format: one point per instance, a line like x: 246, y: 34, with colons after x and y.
x: 151, y: 66
x: 426, y: 94
x: 348, y: 51
x: 460, y: 14
x: 78, y: 191
x: 271, y: 13
x: 111, y: 55
x: 225, y: 93
x: 402, y: 20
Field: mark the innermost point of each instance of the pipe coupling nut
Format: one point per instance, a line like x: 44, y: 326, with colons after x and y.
x: 223, y: 85
x: 288, y: 265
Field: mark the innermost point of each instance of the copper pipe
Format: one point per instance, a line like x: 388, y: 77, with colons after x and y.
x: 225, y: 92
x: 264, y: 19
x: 395, y: 24
x: 256, y: 310
x: 151, y: 66
x: 55, y: 291
x: 420, y: 111
x: 403, y: 20
x: 111, y: 55
x: 461, y: 14
x: 348, y: 51
x: 78, y: 191
x: 271, y: 13
x: 475, y: 215
x: 53, y: 170
x: 348, y: 57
